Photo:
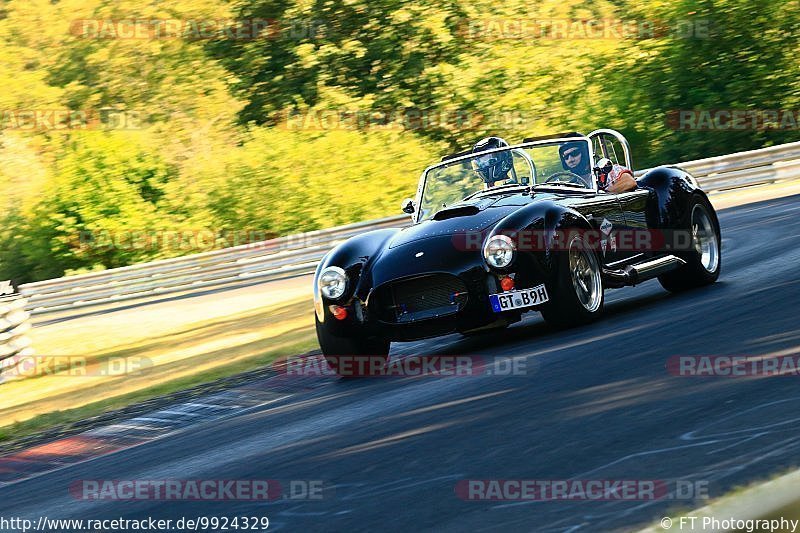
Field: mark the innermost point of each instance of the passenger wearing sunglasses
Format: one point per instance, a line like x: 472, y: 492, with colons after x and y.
x: 610, y: 177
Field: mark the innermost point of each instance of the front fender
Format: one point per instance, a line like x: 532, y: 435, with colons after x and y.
x: 534, y: 229
x: 353, y: 256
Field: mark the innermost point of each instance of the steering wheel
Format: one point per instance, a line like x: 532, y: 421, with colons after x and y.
x: 571, y: 178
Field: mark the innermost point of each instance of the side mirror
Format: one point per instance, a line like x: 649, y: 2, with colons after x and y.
x: 408, y: 206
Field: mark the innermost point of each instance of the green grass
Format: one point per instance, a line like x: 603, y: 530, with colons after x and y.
x: 191, y: 355
x: 296, y: 343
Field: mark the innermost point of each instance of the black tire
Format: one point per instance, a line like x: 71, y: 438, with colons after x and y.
x: 572, y: 303
x: 704, y: 261
x: 363, y: 350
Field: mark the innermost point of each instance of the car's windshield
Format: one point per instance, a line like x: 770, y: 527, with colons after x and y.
x: 558, y: 163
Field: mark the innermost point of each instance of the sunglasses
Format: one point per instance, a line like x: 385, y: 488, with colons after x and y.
x: 573, y: 153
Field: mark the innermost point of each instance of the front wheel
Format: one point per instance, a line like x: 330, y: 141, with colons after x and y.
x: 704, y: 260
x: 576, y: 295
x: 352, y: 356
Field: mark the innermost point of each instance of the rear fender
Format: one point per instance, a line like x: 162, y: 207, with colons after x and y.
x: 673, y: 188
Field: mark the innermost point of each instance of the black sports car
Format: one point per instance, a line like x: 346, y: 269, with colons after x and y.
x: 501, y: 231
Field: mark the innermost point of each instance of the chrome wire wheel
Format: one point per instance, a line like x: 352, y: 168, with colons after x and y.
x: 585, y: 272
x: 705, y: 239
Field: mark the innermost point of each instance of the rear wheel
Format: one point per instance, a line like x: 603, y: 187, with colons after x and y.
x: 352, y: 356
x: 703, y: 261
x: 576, y: 295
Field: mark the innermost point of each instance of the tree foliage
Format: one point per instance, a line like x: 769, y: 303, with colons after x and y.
x: 228, y: 135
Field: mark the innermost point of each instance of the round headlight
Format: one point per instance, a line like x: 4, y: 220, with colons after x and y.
x: 333, y: 282
x: 499, y: 251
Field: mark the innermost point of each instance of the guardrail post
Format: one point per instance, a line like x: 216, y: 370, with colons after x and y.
x: 14, y: 326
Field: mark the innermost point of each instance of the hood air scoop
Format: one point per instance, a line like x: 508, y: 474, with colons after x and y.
x: 458, y: 211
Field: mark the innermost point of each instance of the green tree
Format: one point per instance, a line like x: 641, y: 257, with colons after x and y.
x: 710, y: 55
x: 106, y: 191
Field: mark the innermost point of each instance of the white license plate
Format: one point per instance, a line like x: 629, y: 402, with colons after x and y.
x: 518, y: 299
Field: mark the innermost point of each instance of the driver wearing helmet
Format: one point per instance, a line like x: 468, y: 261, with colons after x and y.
x: 494, y: 167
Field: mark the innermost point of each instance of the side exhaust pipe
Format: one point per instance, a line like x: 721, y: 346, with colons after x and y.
x: 639, y: 272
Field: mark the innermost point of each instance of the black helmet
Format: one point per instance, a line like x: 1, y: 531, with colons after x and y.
x: 492, y: 167
x: 583, y: 167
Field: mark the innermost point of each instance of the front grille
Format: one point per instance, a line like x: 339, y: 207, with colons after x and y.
x: 419, y: 298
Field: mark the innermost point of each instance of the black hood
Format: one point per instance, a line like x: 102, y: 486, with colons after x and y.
x: 476, y: 215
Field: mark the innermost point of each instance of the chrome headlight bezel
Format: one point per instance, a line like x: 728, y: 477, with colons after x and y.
x: 333, y: 282
x: 499, y: 242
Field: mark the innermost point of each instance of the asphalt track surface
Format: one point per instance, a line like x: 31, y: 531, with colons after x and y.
x: 594, y: 403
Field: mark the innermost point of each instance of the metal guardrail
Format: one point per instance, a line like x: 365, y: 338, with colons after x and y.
x: 299, y: 254
x: 742, y: 169
x: 14, y: 324
x: 240, y: 265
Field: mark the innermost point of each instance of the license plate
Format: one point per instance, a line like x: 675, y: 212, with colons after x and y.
x: 518, y: 299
